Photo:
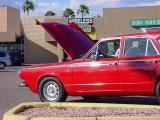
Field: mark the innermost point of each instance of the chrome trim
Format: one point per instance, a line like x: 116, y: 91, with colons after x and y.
x: 111, y: 90
x: 98, y: 91
x: 53, y: 66
x: 147, y: 47
x: 99, y: 84
x: 141, y: 60
x: 96, y: 63
x: 154, y: 46
x: 23, y: 84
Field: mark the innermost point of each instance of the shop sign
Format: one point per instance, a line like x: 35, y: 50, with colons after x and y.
x: 84, y: 23
x: 82, y: 20
x: 86, y: 28
x: 145, y: 22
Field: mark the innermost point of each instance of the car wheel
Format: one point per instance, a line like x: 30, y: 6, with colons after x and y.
x: 157, y: 91
x: 2, y: 65
x: 90, y: 98
x: 51, y: 90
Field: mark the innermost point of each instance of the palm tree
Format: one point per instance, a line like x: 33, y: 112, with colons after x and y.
x: 50, y: 13
x: 83, y: 9
x: 27, y: 6
x: 68, y: 13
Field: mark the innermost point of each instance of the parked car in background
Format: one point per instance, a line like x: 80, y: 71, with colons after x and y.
x: 16, y: 57
x: 5, y: 60
x: 127, y: 64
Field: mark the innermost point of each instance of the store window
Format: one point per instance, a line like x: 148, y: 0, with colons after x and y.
x: 15, y: 49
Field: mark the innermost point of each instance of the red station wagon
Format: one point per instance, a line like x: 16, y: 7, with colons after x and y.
x: 127, y: 64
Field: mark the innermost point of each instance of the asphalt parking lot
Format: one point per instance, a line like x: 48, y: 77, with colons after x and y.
x: 11, y: 94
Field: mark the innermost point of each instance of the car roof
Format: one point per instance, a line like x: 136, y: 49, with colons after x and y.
x: 135, y: 34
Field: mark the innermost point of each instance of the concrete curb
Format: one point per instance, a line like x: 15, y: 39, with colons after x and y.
x: 10, y: 115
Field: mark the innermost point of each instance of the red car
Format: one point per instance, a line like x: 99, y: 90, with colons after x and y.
x: 119, y: 65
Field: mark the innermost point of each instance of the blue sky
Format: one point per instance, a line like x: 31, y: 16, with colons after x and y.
x: 96, y: 6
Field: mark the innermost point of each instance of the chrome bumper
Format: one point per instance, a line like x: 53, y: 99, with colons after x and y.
x: 23, y: 84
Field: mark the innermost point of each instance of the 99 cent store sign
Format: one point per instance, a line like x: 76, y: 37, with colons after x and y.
x: 84, y: 23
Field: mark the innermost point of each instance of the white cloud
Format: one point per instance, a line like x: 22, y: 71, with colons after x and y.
x: 18, y: 3
x: 49, y: 6
x: 156, y: 3
x: 42, y: 8
x: 102, y: 3
x: 74, y: 4
x: 96, y: 6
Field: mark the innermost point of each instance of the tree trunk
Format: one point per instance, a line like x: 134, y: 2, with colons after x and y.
x: 28, y: 13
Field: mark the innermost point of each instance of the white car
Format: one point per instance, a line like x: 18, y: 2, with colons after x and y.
x: 4, y: 60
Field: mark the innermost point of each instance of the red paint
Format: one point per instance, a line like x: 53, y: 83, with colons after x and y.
x: 108, y: 76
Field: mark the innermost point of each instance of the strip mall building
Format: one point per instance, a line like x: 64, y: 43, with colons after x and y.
x: 22, y: 34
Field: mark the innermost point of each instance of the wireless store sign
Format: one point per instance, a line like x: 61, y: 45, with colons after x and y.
x: 84, y: 23
x: 82, y: 20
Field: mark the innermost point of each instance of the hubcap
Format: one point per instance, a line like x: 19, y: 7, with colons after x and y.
x: 51, y: 91
x: 1, y: 65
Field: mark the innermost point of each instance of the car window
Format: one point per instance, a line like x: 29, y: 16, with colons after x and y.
x: 2, y: 54
x: 151, y: 50
x: 158, y: 40
x: 135, y: 47
x: 106, y: 49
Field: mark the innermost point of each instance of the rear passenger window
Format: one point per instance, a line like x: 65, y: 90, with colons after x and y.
x: 135, y: 47
x: 2, y: 54
x: 151, y: 50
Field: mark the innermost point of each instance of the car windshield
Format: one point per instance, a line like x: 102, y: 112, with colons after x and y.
x: 106, y: 49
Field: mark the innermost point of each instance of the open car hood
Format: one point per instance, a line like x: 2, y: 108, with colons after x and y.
x: 74, y: 41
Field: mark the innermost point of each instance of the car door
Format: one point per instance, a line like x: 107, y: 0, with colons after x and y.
x: 137, y: 67
x: 97, y: 73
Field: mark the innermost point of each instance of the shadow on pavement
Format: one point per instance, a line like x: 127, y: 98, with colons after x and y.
x: 123, y: 100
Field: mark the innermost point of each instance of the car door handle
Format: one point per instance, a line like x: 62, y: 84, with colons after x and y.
x: 152, y: 61
x: 114, y: 63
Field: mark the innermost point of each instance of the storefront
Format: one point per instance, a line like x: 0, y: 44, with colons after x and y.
x: 38, y: 47
x: 11, y: 39
x: 146, y: 24
x: 127, y: 20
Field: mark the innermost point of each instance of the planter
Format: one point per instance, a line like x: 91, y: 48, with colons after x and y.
x: 82, y: 111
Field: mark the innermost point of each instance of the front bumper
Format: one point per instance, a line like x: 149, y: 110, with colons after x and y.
x: 23, y: 84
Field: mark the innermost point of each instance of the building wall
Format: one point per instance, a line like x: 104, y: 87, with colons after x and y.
x: 9, y: 24
x: 39, y: 47
x: 117, y: 20
x: 13, y: 20
x: 3, y: 19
